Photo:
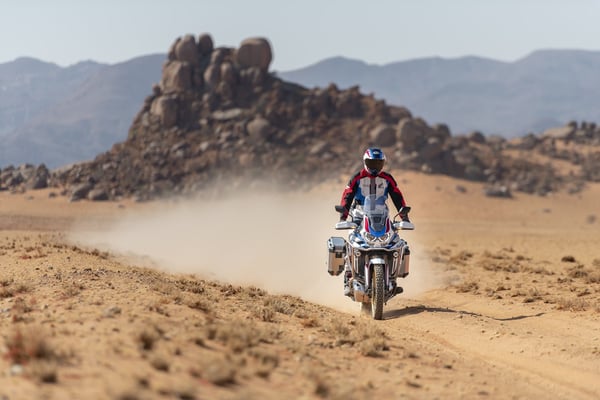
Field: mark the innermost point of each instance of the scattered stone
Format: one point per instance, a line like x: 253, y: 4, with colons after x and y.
x: 111, y: 312
x: 80, y: 192
x: 98, y: 195
x: 498, y: 191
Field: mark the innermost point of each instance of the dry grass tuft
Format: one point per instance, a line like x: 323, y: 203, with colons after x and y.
x: 20, y: 308
x: 267, y: 361
x: 461, y: 258
x: 263, y: 313
x: 23, y: 346
x: 148, y: 337
x: 367, y: 338
x: 307, y: 320
x: 44, y: 371
x: 467, y: 286
x: 201, y: 304
x: 240, y: 335
x: 160, y: 364
x: 10, y: 288
x: 537, y: 269
x: 321, y: 386
x: 569, y: 304
x: 217, y: 370
x: 72, y: 289
x: 190, y: 285
x: 588, y: 275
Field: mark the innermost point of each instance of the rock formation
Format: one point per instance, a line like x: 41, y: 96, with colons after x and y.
x: 219, y: 118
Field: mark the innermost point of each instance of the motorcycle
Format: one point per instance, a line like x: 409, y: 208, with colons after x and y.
x: 374, y: 253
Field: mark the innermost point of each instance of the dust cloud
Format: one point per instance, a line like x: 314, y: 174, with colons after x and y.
x: 273, y: 241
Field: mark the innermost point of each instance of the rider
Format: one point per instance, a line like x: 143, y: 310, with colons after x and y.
x: 368, y: 181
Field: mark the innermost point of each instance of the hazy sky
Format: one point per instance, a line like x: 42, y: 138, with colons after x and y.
x: 301, y: 32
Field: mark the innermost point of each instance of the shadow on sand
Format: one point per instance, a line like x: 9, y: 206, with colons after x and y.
x: 412, y: 310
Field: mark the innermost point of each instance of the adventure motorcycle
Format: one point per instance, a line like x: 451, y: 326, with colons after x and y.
x: 374, y: 254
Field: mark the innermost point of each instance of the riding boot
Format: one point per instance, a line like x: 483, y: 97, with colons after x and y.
x: 347, y: 277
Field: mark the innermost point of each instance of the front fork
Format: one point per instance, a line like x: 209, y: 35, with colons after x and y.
x: 362, y: 269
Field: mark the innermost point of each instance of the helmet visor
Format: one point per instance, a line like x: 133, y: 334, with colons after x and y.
x: 374, y: 165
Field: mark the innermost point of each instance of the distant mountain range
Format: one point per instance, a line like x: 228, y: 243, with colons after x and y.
x: 59, y: 115
x: 56, y: 116
x: 546, y: 89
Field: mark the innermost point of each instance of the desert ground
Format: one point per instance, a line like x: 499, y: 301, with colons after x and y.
x: 229, y: 298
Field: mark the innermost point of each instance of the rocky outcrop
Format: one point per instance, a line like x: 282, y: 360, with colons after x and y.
x: 219, y: 119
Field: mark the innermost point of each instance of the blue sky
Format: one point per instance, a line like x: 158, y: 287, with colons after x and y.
x: 301, y: 32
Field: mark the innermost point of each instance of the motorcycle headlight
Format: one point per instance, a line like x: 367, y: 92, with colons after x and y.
x: 386, y: 238
x: 370, y: 237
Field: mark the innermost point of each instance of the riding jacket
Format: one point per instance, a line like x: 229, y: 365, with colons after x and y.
x: 363, y: 184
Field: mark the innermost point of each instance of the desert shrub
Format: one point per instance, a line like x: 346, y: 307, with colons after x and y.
x: 190, y: 285
x: 467, y: 286
x: 23, y: 346
x: 220, y: 371
x: 265, y: 314
x: 44, y: 371
x: 160, y: 364
x: 239, y: 335
x: 578, y: 271
x: 372, y: 347
x: 147, y: 338
x: 201, y: 304
x: 569, y: 304
x: 537, y: 269
x: 461, y: 258
x: 279, y: 305
x: 267, y: 361
x: 72, y: 289
x: 307, y: 320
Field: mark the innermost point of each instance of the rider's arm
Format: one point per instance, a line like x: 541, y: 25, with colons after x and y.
x: 349, y: 193
x: 394, y: 191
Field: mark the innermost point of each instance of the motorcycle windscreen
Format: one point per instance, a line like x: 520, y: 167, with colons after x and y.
x: 376, y: 213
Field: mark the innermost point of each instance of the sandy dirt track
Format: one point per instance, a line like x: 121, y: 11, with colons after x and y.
x: 111, y: 301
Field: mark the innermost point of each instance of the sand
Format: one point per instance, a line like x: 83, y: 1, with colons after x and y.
x: 229, y: 298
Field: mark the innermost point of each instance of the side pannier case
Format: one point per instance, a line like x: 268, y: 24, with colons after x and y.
x: 336, y: 255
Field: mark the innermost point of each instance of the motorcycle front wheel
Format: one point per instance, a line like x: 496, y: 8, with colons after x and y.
x: 377, y: 292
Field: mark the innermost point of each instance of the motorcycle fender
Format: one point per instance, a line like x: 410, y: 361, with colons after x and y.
x: 376, y: 260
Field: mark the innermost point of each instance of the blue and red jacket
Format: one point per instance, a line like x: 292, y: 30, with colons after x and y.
x: 363, y: 183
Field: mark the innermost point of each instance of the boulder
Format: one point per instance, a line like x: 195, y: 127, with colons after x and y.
x: 97, y: 195
x: 383, y: 135
x: 165, y: 107
x: 259, y: 129
x: 186, y: 50
x: 212, y: 75
x: 442, y: 131
x: 40, y: 179
x: 80, y: 191
x: 476, y: 137
x: 498, y: 191
x: 409, y: 134
x: 254, y: 52
x: 176, y: 77
x: 227, y: 73
x: 205, y: 44
x: 432, y: 149
x: 563, y: 132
